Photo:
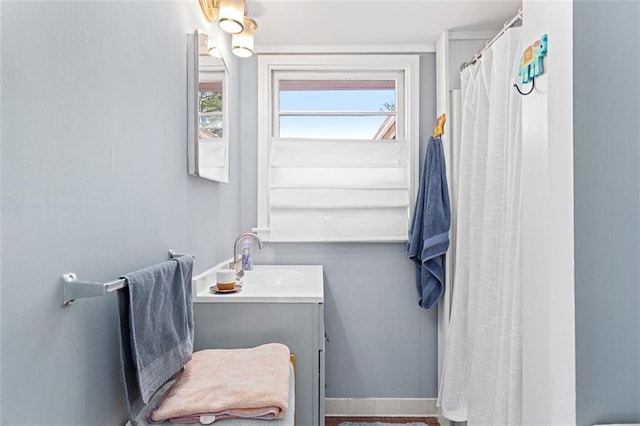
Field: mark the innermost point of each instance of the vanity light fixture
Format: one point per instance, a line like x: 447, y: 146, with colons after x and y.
x: 209, y: 9
x: 231, y: 18
x: 242, y: 43
x: 231, y: 15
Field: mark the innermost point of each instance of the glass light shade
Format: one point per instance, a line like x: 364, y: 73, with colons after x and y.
x: 242, y: 44
x: 215, y: 52
x: 206, y: 46
x: 230, y: 16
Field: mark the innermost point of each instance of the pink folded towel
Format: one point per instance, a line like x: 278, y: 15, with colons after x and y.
x: 221, y: 383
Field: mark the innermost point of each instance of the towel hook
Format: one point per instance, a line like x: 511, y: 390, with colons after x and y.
x: 533, y: 86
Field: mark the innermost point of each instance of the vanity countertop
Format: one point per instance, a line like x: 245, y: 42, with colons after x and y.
x: 266, y: 284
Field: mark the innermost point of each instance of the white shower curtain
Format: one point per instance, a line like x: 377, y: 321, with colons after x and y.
x: 482, y: 371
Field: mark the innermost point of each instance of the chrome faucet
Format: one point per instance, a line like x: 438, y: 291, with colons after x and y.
x: 236, y: 264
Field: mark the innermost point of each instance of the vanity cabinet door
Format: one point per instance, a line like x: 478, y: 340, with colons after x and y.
x: 321, y: 382
x: 300, y: 326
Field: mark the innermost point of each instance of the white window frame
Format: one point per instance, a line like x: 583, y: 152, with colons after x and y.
x: 306, y: 65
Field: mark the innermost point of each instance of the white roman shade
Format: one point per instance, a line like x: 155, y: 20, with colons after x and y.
x: 331, y: 190
x: 328, y: 190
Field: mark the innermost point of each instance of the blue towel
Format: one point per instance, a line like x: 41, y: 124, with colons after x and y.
x: 429, y: 235
x: 156, y: 328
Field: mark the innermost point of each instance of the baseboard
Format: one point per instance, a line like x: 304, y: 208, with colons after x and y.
x: 380, y: 407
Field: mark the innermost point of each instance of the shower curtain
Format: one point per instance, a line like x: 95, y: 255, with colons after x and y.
x: 482, y: 370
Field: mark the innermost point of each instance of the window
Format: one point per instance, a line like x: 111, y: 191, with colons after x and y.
x: 337, y: 147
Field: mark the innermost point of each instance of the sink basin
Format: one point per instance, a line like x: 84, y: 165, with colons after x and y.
x: 265, y: 284
x: 274, y: 277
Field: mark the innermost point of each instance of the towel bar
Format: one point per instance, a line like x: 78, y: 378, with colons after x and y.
x: 73, y: 289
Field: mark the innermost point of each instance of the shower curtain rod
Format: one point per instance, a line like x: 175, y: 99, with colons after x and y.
x: 488, y: 44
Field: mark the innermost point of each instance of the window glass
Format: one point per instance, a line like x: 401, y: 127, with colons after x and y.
x: 210, y: 108
x: 337, y: 109
x: 338, y: 127
x: 335, y: 95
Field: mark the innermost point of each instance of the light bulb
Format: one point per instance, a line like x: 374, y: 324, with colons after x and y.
x: 230, y: 16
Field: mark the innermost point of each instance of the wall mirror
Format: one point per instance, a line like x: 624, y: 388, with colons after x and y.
x: 207, y: 111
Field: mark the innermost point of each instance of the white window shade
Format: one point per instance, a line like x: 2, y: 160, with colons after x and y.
x: 338, y: 153
x: 338, y: 198
x: 320, y: 189
x: 339, y: 225
x: 338, y: 190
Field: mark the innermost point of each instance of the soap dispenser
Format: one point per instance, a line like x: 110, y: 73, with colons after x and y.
x: 247, y: 263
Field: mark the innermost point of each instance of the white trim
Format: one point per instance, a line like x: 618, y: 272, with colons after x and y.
x: 338, y: 63
x: 264, y: 131
x: 407, y: 98
x: 354, y: 49
x: 412, y: 125
x: 442, y: 106
x: 380, y: 407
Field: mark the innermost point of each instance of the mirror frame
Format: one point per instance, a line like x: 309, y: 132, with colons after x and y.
x: 194, y: 66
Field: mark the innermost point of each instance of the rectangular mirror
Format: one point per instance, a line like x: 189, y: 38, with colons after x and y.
x: 207, y: 111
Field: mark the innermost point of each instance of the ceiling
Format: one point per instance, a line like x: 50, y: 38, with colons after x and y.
x: 372, y: 22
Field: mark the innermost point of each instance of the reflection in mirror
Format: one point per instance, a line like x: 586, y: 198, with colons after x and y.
x: 208, y: 139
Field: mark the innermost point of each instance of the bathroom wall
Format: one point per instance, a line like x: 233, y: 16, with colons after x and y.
x: 548, y: 314
x: 607, y: 210
x: 381, y: 344
x: 94, y: 181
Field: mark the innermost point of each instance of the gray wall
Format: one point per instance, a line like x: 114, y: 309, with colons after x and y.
x: 381, y: 344
x: 607, y: 210
x: 94, y: 181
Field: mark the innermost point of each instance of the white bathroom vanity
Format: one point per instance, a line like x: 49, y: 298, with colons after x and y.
x: 277, y: 303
